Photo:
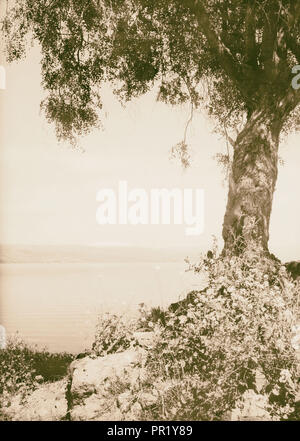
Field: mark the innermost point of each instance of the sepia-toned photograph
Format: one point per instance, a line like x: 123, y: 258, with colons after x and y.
x: 149, y: 213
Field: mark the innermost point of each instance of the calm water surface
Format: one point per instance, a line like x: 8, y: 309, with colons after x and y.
x: 56, y: 305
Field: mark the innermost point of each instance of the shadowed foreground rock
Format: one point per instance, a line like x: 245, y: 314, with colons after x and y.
x: 92, y: 381
x: 104, y: 389
x: 94, y: 390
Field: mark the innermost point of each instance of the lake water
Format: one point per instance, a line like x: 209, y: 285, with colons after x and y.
x: 56, y: 305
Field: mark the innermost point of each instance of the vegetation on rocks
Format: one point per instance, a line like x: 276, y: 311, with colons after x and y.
x: 221, y: 347
x: 24, y: 369
x: 216, y: 344
x: 235, y: 59
x: 228, y: 351
x: 113, y: 333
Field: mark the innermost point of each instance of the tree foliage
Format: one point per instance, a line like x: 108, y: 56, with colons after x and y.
x: 233, y: 56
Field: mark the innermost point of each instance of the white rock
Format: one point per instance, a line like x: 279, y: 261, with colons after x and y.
x: 92, y: 381
x: 89, y: 375
x: 96, y: 408
x: 47, y: 403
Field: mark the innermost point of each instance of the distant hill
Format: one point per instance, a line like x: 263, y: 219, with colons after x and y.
x: 93, y: 254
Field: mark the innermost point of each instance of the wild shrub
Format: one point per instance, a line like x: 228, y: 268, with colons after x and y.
x: 214, y: 345
x: 21, y: 365
x: 114, y: 333
x: 148, y: 317
x: 16, y: 367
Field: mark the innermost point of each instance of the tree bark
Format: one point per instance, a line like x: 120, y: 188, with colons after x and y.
x: 252, y: 184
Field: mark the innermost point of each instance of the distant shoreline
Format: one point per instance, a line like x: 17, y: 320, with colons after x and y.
x: 90, y: 254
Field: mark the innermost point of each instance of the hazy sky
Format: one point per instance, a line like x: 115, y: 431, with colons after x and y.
x: 48, y: 190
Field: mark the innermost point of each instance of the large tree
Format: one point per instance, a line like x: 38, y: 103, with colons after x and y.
x: 234, y: 57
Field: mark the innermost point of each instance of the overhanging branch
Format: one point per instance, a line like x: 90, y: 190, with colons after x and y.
x: 293, y: 25
x: 224, y: 56
x: 269, y: 38
x: 250, y: 43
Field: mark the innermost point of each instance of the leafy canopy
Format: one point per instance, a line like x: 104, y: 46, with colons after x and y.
x: 234, y: 56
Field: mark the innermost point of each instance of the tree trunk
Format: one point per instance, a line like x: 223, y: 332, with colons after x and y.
x: 252, y: 184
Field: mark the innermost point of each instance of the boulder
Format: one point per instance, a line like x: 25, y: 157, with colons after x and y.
x: 97, y: 407
x: 46, y: 403
x: 88, y: 375
x: 93, y: 379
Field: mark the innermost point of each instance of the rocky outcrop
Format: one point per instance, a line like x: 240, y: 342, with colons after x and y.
x: 94, y: 383
x: 47, y: 403
x: 97, y: 388
x: 109, y: 388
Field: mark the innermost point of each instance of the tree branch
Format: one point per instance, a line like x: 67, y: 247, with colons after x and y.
x: 269, y: 38
x: 295, y: 14
x: 292, y: 29
x: 224, y: 56
x: 290, y: 101
x: 250, y: 43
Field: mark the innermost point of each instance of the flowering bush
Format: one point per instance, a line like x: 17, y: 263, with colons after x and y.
x: 16, y: 367
x: 114, y: 333
x: 149, y: 316
x: 218, y: 341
